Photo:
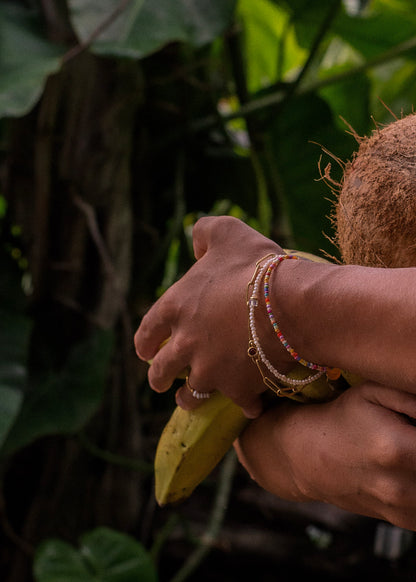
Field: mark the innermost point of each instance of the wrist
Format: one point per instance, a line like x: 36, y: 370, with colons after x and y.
x: 260, y: 308
x: 260, y: 317
x: 303, y: 317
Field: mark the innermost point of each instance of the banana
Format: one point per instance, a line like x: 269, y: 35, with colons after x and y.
x: 320, y: 390
x: 351, y: 378
x: 192, y: 444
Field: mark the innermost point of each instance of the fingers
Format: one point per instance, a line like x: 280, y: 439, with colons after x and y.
x: 153, y: 331
x: 398, y: 400
x: 192, y: 393
x: 189, y: 397
x: 189, y: 401
x: 170, y: 362
x: 255, y: 409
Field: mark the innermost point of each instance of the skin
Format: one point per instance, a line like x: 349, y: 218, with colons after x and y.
x: 357, y: 452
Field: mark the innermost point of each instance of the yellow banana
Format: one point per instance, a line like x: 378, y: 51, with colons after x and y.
x: 320, y: 390
x: 192, y: 444
x: 351, y: 378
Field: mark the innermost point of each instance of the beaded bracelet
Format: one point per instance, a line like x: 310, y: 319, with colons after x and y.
x: 332, y: 373
x: 255, y: 350
x: 270, y: 266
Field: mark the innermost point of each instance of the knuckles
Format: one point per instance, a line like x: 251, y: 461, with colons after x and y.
x: 390, y: 452
x: 392, y: 493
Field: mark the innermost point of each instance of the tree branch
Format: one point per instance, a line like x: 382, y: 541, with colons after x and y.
x: 276, y: 98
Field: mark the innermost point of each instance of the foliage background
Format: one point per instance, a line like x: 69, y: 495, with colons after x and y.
x: 122, y: 122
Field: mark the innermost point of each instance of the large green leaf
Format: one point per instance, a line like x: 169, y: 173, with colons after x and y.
x: 295, y: 139
x: 386, y: 25
x: 307, y: 17
x: 349, y: 97
x: 27, y: 57
x: 64, y: 402
x: 151, y: 25
x: 89, y: 17
x: 394, y: 84
x: 104, y: 555
x: 349, y: 105
x: 271, y: 47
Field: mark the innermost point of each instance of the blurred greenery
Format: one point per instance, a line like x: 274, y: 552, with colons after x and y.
x: 121, y: 123
x: 104, y: 556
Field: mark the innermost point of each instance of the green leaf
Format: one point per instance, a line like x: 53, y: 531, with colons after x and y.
x: 395, y: 85
x: 307, y: 17
x: 271, y: 48
x: 117, y: 557
x: 56, y: 560
x: 90, y: 16
x: 155, y: 24
x: 27, y: 58
x: 305, y: 120
x: 349, y: 104
x: 104, y: 555
x: 349, y: 98
x: 64, y: 402
x: 386, y: 25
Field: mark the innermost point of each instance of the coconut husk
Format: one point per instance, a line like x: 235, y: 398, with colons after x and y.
x: 375, y: 210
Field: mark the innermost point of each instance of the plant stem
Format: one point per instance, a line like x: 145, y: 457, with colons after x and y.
x: 217, y: 517
x: 323, y: 29
x: 114, y: 458
x: 276, y: 98
x: 264, y: 206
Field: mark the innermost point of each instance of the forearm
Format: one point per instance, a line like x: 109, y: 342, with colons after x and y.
x: 350, y: 317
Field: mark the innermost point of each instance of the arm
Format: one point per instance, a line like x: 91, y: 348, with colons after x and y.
x: 359, y: 451
x: 356, y: 318
x: 343, y: 316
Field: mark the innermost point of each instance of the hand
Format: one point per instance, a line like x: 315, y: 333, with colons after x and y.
x: 357, y: 452
x: 205, y: 316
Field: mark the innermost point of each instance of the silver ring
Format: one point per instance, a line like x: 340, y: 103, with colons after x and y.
x: 195, y: 393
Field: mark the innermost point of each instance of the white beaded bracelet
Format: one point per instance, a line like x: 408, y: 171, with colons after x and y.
x: 255, y: 351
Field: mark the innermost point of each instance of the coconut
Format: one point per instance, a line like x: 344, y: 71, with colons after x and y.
x: 375, y: 209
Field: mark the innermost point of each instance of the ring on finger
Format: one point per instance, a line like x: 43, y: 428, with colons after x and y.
x: 195, y: 393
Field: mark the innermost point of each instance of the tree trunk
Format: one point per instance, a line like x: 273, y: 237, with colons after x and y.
x: 75, y: 148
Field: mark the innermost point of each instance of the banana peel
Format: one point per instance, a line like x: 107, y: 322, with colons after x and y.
x: 194, y: 442
x: 320, y: 390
